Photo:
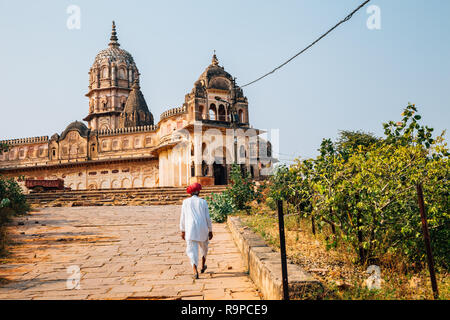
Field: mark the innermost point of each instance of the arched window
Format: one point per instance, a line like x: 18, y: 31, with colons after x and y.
x: 122, y: 74
x: 105, y: 72
x: 192, y: 170
x: 253, y: 150
x: 204, y: 150
x: 241, y: 116
x: 242, y: 152
x: 212, y: 112
x: 221, y: 113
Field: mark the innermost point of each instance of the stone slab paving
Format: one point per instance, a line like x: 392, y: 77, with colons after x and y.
x: 121, y: 253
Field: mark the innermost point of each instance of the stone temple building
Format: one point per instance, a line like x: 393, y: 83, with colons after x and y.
x: 120, y: 146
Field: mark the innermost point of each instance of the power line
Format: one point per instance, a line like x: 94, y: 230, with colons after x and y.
x: 288, y: 154
x: 348, y: 17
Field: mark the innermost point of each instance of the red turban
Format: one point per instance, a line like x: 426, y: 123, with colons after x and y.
x: 194, y: 188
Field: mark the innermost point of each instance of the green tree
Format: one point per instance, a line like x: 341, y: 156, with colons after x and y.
x: 350, y: 141
x: 365, y: 189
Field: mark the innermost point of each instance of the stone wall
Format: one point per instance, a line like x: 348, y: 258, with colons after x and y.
x: 112, y: 175
x: 264, y: 266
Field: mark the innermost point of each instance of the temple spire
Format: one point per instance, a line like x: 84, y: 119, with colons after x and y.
x: 215, y: 61
x: 113, y: 42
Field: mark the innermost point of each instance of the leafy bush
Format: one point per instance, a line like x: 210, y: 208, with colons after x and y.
x: 12, y: 202
x: 271, y: 203
x: 241, y: 189
x: 12, y: 197
x: 220, y: 206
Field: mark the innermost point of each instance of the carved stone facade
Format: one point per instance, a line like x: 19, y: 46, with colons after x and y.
x: 121, y: 147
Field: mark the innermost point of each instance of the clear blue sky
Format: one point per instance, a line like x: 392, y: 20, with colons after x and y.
x: 354, y: 79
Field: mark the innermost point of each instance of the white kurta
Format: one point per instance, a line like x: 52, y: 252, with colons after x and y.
x: 195, y: 220
x: 196, y: 223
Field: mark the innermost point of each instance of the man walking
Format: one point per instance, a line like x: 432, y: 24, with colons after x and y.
x: 196, y: 227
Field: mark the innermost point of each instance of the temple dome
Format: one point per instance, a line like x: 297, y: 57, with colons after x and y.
x: 75, y: 126
x: 114, y: 54
x: 214, y: 71
x: 215, y: 77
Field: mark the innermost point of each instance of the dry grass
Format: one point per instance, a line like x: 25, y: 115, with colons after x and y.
x: 335, y: 266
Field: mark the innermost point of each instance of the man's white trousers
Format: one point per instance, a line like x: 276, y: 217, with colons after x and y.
x: 192, y: 248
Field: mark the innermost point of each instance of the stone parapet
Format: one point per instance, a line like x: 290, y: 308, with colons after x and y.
x: 115, y: 197
x: 25, y: 140
x: 127, y: 130
x: 264, y: 266
x: 173, y: 112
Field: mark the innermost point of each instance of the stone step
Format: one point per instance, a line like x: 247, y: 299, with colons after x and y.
x: 109, y: 191
x: 116, y: 197
x: 134, y: 189
x: 112, y: 195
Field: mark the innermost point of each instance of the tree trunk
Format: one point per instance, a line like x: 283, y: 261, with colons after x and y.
x: 333, y: 228
x: 362, y: 251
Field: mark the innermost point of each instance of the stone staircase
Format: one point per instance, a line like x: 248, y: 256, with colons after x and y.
x: 116, y: 197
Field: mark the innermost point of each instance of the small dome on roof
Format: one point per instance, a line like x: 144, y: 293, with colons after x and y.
x: 75, y: 126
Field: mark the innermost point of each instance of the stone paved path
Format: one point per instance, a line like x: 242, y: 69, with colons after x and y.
x: 122, y: 252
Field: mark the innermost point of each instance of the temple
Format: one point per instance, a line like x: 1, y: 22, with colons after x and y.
x: 120, y: 146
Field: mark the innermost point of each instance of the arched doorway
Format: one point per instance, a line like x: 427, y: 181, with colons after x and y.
x: 220, y: 174
x: 204, y: 169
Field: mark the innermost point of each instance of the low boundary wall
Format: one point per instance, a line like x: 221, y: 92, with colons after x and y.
x: 264, y: 266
